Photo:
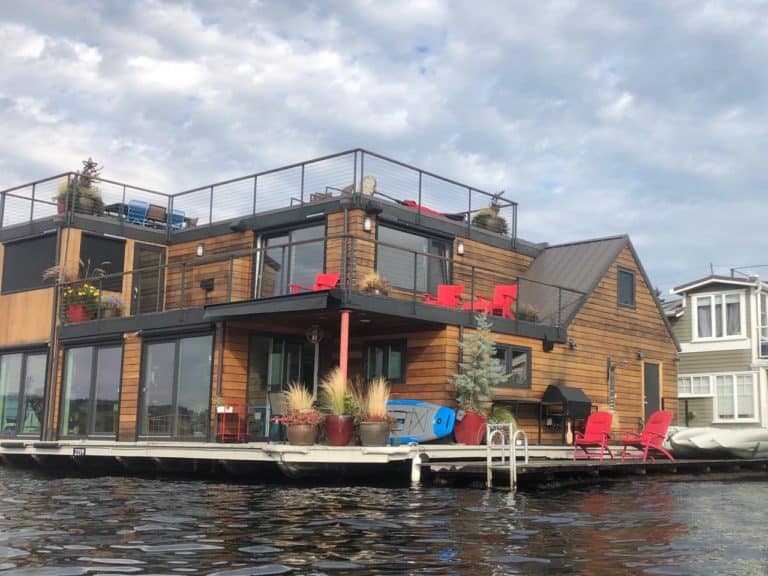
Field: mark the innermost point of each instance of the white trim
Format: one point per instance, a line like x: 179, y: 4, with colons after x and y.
x: 716, y: 345
x: 755, y: 399
x: 692, y: 394
x: 711, y: 280
x: 722, y: 295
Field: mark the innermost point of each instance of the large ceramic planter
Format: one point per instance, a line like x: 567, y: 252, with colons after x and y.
x: 339, y: 429
x: 77, y: 312
x: 471, y: 428
x: 301, y: 434
x: 374, y: 433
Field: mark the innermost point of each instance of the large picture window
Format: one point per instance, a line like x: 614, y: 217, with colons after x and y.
x: 294, y: 257
x: 22, y: 390
x: 411, y: 261
x: 516, y: 362
x: 25, y: 261
x: 91, y: 391
x: 718, y: 315
x: 107, y: 254
x: 176, y: 388
x: 385, y: 360
x: 735, y: 397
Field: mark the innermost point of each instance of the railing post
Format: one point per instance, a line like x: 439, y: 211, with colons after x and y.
x: 469, y: 212
x: 210, y: 208
x: 2, y: 209
x: 169, y: 218
x: 419, y: 211
x: 255, y: 187
x: 301, y: 194
x: 348, y: 265
x: 32, y: 204
x: 122, y: 215
x: 415, y: 272
x: 354, y: 170
x: 362, y: 168
x: 69, y: 205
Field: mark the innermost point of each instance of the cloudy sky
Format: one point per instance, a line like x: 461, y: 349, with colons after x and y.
x: 647, y: 118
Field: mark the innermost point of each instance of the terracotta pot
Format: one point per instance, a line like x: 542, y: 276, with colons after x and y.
x: 301, y: 434
x: 374, y: 433
x: 61, y: 206
x: 339, y: 429
x: 77, y: 312
x: 471, y: 428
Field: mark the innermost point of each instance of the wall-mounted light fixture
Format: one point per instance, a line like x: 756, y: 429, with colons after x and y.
x: 640, y: 355
x: 460, y: 248
x: 571, y: 344
x: 200, y: 250
x: 367, y: 223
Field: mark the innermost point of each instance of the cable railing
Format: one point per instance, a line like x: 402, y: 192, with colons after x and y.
x: 355, y: 171
x: 291, y: 267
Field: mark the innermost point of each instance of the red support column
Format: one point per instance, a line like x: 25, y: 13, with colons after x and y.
x: 344, y: 344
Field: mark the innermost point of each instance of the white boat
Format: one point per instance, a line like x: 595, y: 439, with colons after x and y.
x: 709, y: 442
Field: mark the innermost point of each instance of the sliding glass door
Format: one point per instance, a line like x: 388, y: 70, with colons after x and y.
x: 22, y: 393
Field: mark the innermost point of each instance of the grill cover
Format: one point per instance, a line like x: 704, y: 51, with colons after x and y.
x: 575, y: 404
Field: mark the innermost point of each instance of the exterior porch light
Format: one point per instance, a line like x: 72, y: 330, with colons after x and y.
x: 200, y: 250
x: 367, y: 223
x: 460, y: 248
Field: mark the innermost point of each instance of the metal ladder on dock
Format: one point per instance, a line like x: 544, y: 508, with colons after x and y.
x: 501, y: 451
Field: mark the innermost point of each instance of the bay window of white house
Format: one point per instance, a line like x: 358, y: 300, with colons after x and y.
x: 718, y: 316
x: 763, y: 325
x: 735, y: 397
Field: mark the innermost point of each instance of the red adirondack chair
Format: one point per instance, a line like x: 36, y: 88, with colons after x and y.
x: 322, y: 282
x: 652, y: 437
x: 504, y: 296
x: 596, y: 434
x: 447, y: 295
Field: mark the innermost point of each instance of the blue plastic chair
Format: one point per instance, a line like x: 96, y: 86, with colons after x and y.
x: 177, y: 219
x: 137, y: 212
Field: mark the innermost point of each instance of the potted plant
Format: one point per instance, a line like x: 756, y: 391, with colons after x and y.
x: 82, y: 301
x: 81, y: 294
x: 111, y: 307
x: 478, y: 374
x: 336, y: 399
x: 80, y: 193
x: 489, y: 219
x: 374, y: 284
x: 301, y: 418
x: 374, y: 421
x: 527, y: 312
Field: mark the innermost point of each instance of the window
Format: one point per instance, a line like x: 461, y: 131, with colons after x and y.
x: 176, y: 388
x: 626, y: 288
x: 516, y: 362
x: 91, y: 391
x: 402, y: 254
x: 22, y: 389
x: 25, y: 261
x: 763, y: 325
x: 293, y: 257
x: 107, y: 254
x: 718, y: 315
x: 699, y: 385
x: 735, y: 397
x: 385, y: 360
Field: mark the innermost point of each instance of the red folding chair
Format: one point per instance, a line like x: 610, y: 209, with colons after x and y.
x: 322, y: 282
x: 447, y: 295
x: 652, y: 437
x: 504, y: 296
x: 596, y: 434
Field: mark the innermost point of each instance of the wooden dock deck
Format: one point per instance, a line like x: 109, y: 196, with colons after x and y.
x: 429, y: 463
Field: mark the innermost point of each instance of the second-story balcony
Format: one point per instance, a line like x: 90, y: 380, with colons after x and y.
x: 328, y: 272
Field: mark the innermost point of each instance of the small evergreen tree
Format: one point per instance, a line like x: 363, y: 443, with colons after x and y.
x: 480, y: 371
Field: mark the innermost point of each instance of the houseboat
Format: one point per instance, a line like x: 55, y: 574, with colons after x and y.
x: 209, y: 300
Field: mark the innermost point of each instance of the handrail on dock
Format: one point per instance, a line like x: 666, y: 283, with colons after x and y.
x: 502, y: 442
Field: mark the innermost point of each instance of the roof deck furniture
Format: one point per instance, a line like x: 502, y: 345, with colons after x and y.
x: 651, y: 439
x: 448, y: 295
x: 232, y: 422
x: 137, y: 212
x: 479, y: 304
x: 596, y: 434
x: 424, y: 210
x: 504, y: 296
x: 323, y: 281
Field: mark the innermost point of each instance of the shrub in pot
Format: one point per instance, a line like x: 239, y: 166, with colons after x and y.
x: 374, y: 421
x: 301, y: 419
x: 336, y: 399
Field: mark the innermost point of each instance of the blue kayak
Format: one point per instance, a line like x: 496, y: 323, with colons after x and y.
x: 419, y: 421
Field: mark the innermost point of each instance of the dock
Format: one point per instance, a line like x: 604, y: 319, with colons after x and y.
x: 413, y: 463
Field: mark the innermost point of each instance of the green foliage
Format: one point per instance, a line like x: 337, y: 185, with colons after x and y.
x: 480, y: 371
x: 87, y: 196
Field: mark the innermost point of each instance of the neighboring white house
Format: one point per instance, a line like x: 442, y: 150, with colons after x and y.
x: 722, y: 325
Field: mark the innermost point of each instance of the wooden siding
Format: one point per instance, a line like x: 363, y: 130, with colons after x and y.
x: 490, y: 265
x: 219, y: 271
x: 129, y: 389
x: 716, y: 361
x: 57, y: 388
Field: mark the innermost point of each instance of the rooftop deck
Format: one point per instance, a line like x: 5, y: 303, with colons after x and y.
x: 352, y: 171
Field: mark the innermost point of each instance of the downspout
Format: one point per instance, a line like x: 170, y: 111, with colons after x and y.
x: 221, y: 328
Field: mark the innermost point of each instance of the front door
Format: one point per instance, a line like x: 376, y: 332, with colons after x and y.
x: 148, y: 281
x: 273, y: 363
x: 651, y: 391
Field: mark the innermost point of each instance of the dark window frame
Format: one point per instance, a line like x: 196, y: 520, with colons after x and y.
x: 11, y: 266
x: 21, y: 400
x: 114, y: 284
x: 261, y: 244
x: 92, y: 392
x: 505, y: 350
x: 447, y: 244
x: 621, y: 298
x: 400, y: 342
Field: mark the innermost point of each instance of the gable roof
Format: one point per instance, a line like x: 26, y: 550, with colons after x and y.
x: 579, y: 266
x: 715, y: 279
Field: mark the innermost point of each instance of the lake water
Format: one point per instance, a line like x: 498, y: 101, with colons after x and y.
x: 58, y: 526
